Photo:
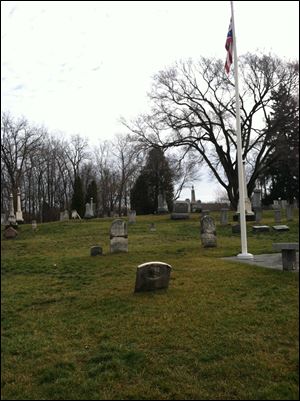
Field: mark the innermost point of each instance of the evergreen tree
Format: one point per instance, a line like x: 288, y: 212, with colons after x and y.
x: 92, y: 192
x: 155, y: 178
x: 283, y: 171
x: 78, y: 198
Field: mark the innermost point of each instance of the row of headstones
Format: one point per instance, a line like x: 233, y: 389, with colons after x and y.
x: 181, y: 212
x: 119, y: 236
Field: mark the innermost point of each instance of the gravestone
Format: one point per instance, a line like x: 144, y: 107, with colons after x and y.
x: 118, y: 236
x: 258, y: 214
x: 181, y: 210
x: 96, y: 250
x: 152, y: 276
x: 208, y: 232
x: 276, y: 204
x: 248, y: 207
x: 162, y: 206
x: 236, y: 229
x: 10, y: 233
x: 283, y: 204
x: 11, y: 217
x: 66, y: 215
x: 152, y: 227
x: 224, y: 217
x: 75, y: 215
x: 256, y: 199
x: 89, y: 214
x: 277, y: 215
x: 132, y: 217
x: 289, y: 212
x: 196, y: 207
x: 3, y: 219
x: 193, y: 196
x: 34, y: 225
x: 256, y: 204
x: 259, y: 229
x: 281, y: 227
x: 19, y: 214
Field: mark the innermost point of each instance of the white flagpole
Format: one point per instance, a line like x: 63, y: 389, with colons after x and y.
x: 244, y: 254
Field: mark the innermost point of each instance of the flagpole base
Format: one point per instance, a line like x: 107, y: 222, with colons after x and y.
x: 245, y: 255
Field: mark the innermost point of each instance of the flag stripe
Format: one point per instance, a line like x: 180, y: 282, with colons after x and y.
x: 228, y: 47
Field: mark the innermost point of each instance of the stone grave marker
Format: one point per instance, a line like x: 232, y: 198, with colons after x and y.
x: 75, y: 215
x: 152, y: 227
x: 208, y: 232
x: 236, y: 229
x: 12, y: 218
x: 162, y: 206
x: 19, y: 214
x: 281, y: 227
x: 96, y: 250
x: 3, y: 219
x: 260, y: 229
x: 289, y: 212
x: 181, y: 210
x: 132, y: 217
x: 224, y: 217
x: 277, y: 215
x: 152, y: 276
x: 118, y: 236
x: 10, y: 233
x: 34, y: 225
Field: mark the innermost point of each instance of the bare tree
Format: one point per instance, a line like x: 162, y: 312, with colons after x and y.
x: 18, y: 141
x: 194, y: 107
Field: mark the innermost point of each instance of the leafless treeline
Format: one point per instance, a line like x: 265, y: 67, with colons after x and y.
x: 44, y: 167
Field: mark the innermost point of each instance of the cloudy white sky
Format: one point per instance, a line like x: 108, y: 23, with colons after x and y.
x: 77, y: 67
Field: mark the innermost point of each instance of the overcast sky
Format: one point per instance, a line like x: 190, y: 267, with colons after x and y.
x: 77, y: 67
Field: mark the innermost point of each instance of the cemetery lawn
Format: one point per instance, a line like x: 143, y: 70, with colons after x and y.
x: 72, y: 328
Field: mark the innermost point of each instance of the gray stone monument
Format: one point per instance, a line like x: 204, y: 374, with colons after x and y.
x: 193, y: 196
x: 162, y: 206
x: 256, y: 199
x: 248, y: 208
x: 19, y: 214
x: 11, y: 217
x: 283, y: 204
x: 10, y: 233
x: 75, y: 215
x: 89, y: 210
x: 224, y: 217
x: 118, y: 236
x: 289, y: 212
x: 96, y: 250
x: 281, y: 227
x: 277, y: 215
x: 132, y: 217
x: 256, y: 204
x: 258, y: 214
x: 34, y: 225
x: 208, y: 232
x: 181, y: 210
x: 152, y: 276
x: 152, y: 227
x: 3, y: 219
x: 260, y: 229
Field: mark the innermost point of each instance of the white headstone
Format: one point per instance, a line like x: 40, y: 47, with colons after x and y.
x: 19, y: 214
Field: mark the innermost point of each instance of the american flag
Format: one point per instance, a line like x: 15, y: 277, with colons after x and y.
x: 228, y: 47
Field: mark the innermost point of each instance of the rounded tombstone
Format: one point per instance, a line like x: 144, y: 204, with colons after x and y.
x: 96, y: 250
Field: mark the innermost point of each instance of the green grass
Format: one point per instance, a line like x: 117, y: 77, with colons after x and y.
x: 72, y: 328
